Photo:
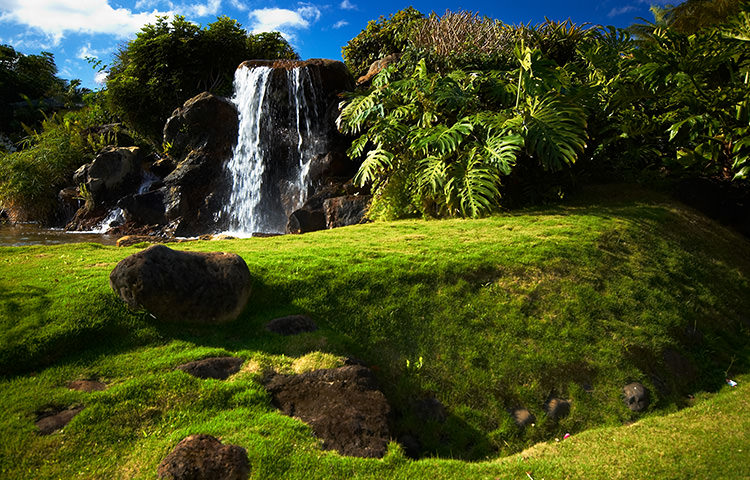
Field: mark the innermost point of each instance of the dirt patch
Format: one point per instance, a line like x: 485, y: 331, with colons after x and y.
x: 291, y: 325
x: 204, y: 457
x: 87, y: 385
x: 215, y: 367
x: 343, y: 406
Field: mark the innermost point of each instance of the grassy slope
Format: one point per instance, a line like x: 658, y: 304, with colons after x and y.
x: 503, y: 312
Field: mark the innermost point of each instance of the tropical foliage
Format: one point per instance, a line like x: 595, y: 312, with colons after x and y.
x: 31, y: 178
x: 170, y: 62
x: 30, y: 88
x: 474, y: 102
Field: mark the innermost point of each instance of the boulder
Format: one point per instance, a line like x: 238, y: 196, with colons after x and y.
x: 376, y: 67
x: 203, y: 457
x: 343, y: 406
x: 218, y: 368
x: 144, y: 208
x: 303, y: 221
x: 186, y: 287
x: 346, y: 210
x: 334, y: 164
x: 128, y: 240
x: 114, y: 172
x: 201, y: 136
x: 291, y: 325
x: 636, y: 396
x: 51, y: 422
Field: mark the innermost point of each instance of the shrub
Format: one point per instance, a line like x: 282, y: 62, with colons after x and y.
x: 381, y: 38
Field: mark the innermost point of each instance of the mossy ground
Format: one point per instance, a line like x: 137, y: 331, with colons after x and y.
x: 487, y: 315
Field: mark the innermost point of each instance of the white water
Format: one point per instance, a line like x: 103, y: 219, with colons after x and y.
x: 262, y: 194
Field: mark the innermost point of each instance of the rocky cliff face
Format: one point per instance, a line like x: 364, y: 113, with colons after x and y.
x: 185, y: 192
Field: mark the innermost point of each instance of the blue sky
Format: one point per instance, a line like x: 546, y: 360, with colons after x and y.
x: 75, y: 29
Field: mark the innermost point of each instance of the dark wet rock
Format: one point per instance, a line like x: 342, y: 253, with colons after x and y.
x: 87, y: 385
x: 201, y: 135
x: 332, y: 75
x: 50, y: 422
x: 343, y: 406
x: 114, y: 172
x: 162, y: 167
x: 636, y: 396
x: 523, y: 417
x: 185, y: 287
x: 430, y: 410
x: 291, y: 325
x: 346, y: 210
x: 144, y: 208
x: 332, y: 165
x: 203, y: 457
x: 219, y: 368
x: 303, y: 221
x: 557, y: 408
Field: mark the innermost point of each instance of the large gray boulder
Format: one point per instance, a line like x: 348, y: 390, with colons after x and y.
x: 186, y: 287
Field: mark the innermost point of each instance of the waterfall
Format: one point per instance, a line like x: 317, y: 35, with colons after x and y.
x: 279, y: 134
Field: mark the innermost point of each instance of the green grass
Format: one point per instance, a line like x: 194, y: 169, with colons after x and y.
x: 486, y: 315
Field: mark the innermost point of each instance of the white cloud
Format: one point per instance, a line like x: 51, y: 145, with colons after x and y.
x: 347, y: 5
x: 87, y: 52
x: 619, y: 11
x: 55, y: 18
x: 241, y: 6
x: 340, y: 23
x: 209, y: 7
x: 283, y: 20
x: 101, y: 77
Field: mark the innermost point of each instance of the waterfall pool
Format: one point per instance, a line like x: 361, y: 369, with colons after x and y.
x: 22, y: 234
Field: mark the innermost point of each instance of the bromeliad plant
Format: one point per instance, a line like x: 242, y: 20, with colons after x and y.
x: 441, y: 145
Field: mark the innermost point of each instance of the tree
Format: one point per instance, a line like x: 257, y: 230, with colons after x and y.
x: 30, y: 88
x: 169, y: 62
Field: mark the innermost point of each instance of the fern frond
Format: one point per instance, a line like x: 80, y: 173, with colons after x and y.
x: 377, y: 162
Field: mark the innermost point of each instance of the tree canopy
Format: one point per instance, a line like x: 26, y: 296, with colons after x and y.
x: 171, y: 61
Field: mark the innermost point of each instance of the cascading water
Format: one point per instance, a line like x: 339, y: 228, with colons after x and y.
x: 279, y: 134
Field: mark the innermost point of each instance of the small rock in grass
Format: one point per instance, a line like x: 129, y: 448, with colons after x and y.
x: 87, y: 385
x: 557, y: 408
x: 215, y: 367
x: 637, y: 396
x: 291, y: 325
x: 203, y: 457
x: 53, y: 422
x: 523, y: 417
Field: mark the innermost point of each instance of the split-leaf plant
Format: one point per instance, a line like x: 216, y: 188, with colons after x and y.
x: 441, y: 144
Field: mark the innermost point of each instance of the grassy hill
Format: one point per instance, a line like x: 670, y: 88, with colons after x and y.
x: 488, y: 315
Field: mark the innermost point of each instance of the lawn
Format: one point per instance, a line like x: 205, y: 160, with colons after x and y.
x: 572, y: 301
